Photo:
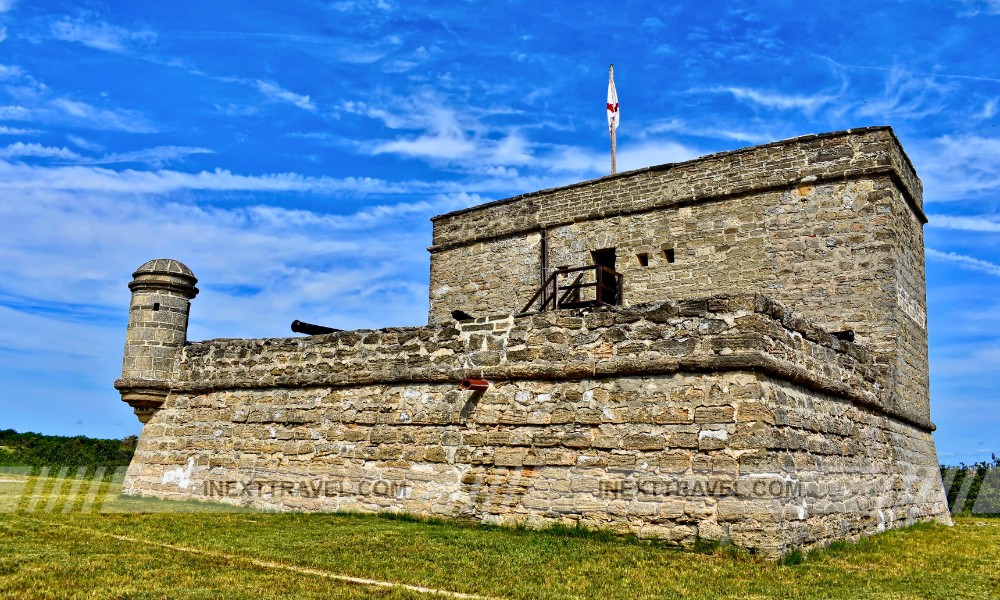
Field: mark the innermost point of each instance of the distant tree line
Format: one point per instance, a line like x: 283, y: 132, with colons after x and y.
x: 37, y: 450
x: 973, y: 489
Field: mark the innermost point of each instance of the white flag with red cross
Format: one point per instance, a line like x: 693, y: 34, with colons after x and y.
x: 613, y: 113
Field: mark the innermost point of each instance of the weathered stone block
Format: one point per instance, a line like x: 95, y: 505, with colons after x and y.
x: 714, y: 414
x: 641, y: 441
x: 509, y: 457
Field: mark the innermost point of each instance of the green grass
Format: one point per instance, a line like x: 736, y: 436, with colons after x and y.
x: 227, y: 554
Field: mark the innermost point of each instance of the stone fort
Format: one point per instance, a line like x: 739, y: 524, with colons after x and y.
x: 731, y: 348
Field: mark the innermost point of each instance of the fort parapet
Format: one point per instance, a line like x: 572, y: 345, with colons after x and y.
x: 712, y: 401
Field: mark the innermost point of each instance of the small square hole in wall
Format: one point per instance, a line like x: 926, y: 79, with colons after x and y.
x: 643, y: 259
x: 156, y: 306
x: 668, y: 253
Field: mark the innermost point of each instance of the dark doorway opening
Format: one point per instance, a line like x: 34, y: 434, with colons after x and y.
x: 606, y: 258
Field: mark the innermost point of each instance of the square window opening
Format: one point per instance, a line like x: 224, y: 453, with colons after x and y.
x: 668, y: 253
x: 643, y: 259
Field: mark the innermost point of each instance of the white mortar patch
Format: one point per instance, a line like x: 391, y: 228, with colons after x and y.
x: 181, y: 476
x: 911, y: 308
x: 719, y: 434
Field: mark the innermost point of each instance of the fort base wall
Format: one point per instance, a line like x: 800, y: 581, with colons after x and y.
x: 724, y: 418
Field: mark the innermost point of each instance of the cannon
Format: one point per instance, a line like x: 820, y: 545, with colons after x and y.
x: 845, y: 336
x: 310, y: 329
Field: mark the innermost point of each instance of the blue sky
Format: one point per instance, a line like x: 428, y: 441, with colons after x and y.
x: 292, y: 153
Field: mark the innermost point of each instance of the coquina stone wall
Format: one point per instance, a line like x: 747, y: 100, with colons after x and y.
x: 724, y: 418
x: 829, y: 225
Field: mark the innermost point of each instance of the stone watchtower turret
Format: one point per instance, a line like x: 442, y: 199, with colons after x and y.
x: 157, y: 328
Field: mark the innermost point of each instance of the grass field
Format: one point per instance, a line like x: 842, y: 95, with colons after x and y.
x: 52, y: 549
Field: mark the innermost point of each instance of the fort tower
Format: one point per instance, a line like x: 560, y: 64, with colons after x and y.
x: 157, y: 328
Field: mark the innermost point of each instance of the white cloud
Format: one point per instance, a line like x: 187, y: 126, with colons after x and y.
x: 975, y: 7
x: 590, y: 163
x: 989, y: 109
x: 3, y: 33
x: 446, y: 134
x: 85, y: 178
x: 446, y: 145
x: 276, y: 92
x: 156, y: 156
x: 715, y: 132
x: 7, y: 5
x: 652, y: 24
x: 8, y: 72
x: 4, y: 130
x: 20, y: 85
x: 260, y: 266
x: 955, y: 167
x: 20, y: 149
x: 14, y: 113
x: 99, y: 35
x: 100, y: 118
x: 979, y: 224
x: 85, y: 144
x: 906, y: 96
x: 965, y: 262
x: 808, y: 104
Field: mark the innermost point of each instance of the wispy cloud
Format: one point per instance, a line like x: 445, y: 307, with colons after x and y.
x: 440, y: 132
x: 99, y: 118
x: 85, y: 144
x: 156, y: 156
x: 4, y: 130
x: 274, y: 268
x: 80, y: 178
x: 977, y: 224
x: 590, y: 163
x: 906, y: 95
x: 8, y: 72
x: 15, y: 113
x: 7, y: 5
x: 965, y: 262
x: 777, y: 100
x: 735, y: 133
x: 989, y: 109
x: 22, y: 150
x: 99, y: 35
x: 971, y: 8
x: 957, y: 166
x: 441, y: 144
x: 280, y: 94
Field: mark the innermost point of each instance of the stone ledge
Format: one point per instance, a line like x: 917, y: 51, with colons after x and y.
x: 527, y: 212
x: 725, y: 333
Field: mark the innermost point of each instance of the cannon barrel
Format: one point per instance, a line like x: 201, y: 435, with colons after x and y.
x: 845, y: 336
x: 310, y: 329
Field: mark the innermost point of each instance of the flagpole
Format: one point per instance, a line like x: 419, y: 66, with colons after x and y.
x: 611, y: 126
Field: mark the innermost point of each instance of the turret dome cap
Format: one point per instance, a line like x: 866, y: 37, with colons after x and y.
x: 167, y: 266
x: 165, y: 274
